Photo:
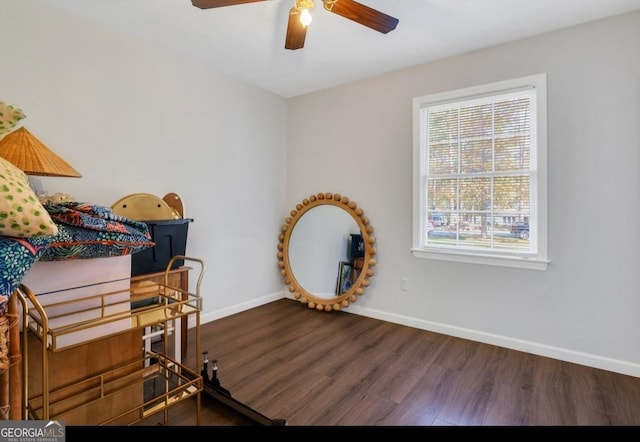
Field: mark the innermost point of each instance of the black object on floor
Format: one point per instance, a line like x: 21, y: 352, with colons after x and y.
x: 212, y: 387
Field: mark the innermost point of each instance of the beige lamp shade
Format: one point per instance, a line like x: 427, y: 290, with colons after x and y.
x: 28, y: 153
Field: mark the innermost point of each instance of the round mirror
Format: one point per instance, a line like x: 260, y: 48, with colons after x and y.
x: 319, y: 248
x: 326, y: 252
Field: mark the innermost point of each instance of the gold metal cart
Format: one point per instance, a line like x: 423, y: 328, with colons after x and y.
x: 109, y: 377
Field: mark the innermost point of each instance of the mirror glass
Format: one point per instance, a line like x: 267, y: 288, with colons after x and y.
x: 326, y: 252
x: 319, y: 243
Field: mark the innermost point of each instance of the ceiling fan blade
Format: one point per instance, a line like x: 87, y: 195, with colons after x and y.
x: 362, y: 14
x: 296, y: 31
x: 208, y: 4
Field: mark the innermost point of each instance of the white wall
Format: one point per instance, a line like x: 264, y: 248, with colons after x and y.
x: 132, y: 118
x: 356, y: 140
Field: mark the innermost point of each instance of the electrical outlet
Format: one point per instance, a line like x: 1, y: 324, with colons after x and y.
x: 404, y: 284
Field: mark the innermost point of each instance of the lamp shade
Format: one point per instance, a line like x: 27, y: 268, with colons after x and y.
x: 28, y: 153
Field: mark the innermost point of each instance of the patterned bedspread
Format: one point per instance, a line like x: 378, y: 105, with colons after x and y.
x: 85, y: 231
x: 17, y: 255
x: 90, y: 231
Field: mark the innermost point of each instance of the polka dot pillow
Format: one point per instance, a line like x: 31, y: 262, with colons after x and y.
x: 21, y: 213
x: 9, y: 116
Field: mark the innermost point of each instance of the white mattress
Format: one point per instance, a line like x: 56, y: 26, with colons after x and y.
x: 59, y: 281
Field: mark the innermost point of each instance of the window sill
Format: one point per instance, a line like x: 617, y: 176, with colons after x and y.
x: 474, y: 258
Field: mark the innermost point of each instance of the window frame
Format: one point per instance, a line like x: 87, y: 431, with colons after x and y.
x: 537, y: 260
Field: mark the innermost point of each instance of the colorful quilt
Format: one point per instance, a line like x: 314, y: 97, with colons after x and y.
x: 88, y: 231
x: 85, y: 231
x: 17, y: 255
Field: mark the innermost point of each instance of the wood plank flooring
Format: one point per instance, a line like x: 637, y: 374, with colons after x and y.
x: 340, y: 369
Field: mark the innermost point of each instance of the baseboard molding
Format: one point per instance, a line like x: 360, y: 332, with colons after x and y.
x: 562, y: 354
x: 237, y: 308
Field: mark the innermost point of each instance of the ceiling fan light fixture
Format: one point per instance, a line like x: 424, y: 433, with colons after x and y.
x: 300, y: 16
x: 304, y: 8
x: 305, y: 17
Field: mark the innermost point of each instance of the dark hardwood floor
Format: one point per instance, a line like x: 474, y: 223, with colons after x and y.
x: 339, y: 369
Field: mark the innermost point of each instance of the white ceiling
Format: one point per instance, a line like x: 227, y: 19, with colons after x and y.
x: 247, y: 41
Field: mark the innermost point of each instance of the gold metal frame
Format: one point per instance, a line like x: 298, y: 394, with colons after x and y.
x: 170, y: 303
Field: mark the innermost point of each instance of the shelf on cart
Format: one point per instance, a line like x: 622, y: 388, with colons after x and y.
x: 77, y: 321
x: 164, y: 381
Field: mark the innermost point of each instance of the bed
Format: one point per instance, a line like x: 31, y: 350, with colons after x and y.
x: 85, y: 236
x: 84, y: 231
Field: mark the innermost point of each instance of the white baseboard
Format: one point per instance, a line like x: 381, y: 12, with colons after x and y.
x: 237, y: 308
x: 562, y: 354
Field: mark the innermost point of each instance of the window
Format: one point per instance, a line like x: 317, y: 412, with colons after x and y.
x: 480, y: 174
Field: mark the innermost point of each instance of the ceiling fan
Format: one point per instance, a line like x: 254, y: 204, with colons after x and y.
x: 299, y: 16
